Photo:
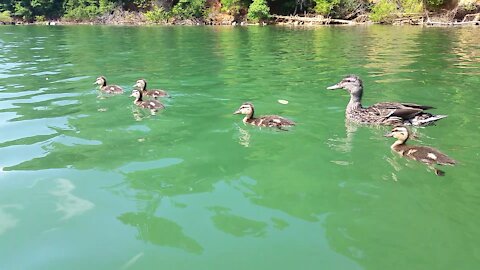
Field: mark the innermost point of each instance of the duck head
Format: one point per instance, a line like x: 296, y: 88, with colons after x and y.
x: 246, y: 108
x: 102, y: 81
x: 141, y: 84
x: 400, y: 133
x: 137, y: 95
x: 352, y: 83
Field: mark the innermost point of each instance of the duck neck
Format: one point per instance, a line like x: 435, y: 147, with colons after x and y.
x: 397, y: 144
x: 354, y: 103
x: 138, y: 99
x: 248, y: 117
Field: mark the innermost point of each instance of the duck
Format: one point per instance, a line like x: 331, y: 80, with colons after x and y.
x: 109, y: 89
x: 424, y: 154
x: 383, y: 113
x: 152, y: 105
x: 155, y: 93
x: 263, y: 121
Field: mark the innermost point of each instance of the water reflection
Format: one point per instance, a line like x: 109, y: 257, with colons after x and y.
x: 160, y: 231
x: 68, y: 204
x: 237, y: 225
x: 243, y: 137
x: 7, y: 220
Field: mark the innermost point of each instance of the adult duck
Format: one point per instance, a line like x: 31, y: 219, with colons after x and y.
x: 109, y: 89
x: 424, y: 154
x: 384, y: 113
x: 141, y: 84
x: 248, y: 110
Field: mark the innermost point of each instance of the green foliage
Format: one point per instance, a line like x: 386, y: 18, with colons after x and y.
x: 412, y: 6
x: 435, y: 3
x: 156, y: 15
x: 230, y: 6
x: 40, y: 18
x: 23, y: 10
x: 79, y: 10
x: 324, y: 7
x: 5, y: 16
x: 106, y: 6
x: 382, y: 11
x: 187, y: 9
x: 258, y: 10
x: 142, y: 4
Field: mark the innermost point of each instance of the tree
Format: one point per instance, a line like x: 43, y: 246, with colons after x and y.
x: 258, y: 10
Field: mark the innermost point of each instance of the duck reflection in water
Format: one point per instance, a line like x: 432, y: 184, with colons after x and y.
x: 344, y: 145
x: 243, y: 136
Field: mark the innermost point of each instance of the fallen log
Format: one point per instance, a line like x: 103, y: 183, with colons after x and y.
x: 313, y: 20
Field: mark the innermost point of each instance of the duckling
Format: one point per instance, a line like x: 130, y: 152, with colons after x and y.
x: 263, y: 121
x: 155, y: 93
x: 384, y: 113
x: 152, y: 105
x: 109, y: 89
x: 424, y: 154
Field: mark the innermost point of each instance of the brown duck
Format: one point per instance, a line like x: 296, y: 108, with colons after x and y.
x: 109, y: 89
x: 152, y: 105
x: 384, y: 113
x: 155, y: 93
x: 263, y: 121
x: 424, y: 154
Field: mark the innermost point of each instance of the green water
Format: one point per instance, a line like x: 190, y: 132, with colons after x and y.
x: 88, y: 183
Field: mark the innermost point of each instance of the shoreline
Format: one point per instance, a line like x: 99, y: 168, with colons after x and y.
x: 277, y: 20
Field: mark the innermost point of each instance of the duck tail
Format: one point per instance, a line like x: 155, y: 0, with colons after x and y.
x: 427, y: 121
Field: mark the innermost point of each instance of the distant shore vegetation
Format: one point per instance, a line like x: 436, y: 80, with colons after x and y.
x: 223, y: 11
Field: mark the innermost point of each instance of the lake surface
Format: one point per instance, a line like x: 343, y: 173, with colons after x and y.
x: 90, y: 182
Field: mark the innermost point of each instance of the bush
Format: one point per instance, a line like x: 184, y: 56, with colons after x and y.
x: 412, y: 6
x: 324, y: 7
x: 22, y: 11
x: 156, y: 15
x: 258, y: 10
x: 40, y: 18
x: 5, y: 16
x: 382, y: 11
x: 82, y: 13
x: 187, y: 9
x: 231, y: 6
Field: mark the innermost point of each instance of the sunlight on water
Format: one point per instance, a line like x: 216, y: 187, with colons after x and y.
x: 88, y: 180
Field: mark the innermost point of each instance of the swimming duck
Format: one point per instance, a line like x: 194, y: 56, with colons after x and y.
x: 109, y: 89
x: 263, y: 121
x: 384, y: 113
x: 152, y: 105
x: 427, y: 155
x: 155, y: 93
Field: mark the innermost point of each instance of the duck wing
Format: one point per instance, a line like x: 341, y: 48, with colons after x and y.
x: 112, y: 89
x: 395, y: 109
x: 274, y: 121
x: 157, y: 93
x: 428, y: 155
x: 152, y: 105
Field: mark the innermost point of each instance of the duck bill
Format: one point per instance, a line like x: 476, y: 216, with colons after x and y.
x: 237, y: 112
x: 334, y: 87
x: 388, y: 135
